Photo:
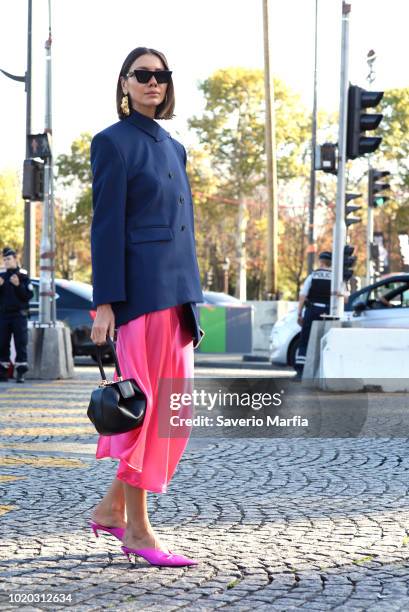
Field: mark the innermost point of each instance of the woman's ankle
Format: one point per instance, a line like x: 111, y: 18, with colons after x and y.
x: 109, y: 508
x: 105, y: 515
x: 138, y: 530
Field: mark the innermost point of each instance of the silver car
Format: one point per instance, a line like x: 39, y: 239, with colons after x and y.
x: 382, y: 304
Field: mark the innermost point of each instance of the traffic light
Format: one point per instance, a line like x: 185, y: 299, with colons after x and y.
x: 351, y: 208
x: 375, y: 196
x: 33, y: 180
x: 326, y: 158
x: 359, y: 121
x: 349, y: 262
x: 39, y: 145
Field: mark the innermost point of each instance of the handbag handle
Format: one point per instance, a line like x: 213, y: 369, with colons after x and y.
x: 101, y: 367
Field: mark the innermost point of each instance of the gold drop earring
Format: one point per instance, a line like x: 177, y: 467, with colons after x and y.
x: 125, y: 105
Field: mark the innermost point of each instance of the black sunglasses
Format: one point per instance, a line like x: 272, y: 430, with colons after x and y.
x: 144, y: 76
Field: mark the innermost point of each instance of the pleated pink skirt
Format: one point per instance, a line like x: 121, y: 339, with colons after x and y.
x: 154, y: 346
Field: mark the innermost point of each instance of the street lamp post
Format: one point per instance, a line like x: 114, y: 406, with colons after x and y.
x: 311, y: 208
x: 29, y: 258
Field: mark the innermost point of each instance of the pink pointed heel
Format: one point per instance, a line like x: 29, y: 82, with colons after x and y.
x: 118, y: 532
x: 159, y: 557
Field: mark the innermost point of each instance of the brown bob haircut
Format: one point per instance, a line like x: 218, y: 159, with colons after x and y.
x: 163, y: 110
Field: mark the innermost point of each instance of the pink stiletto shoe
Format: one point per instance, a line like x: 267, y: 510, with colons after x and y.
x: 159, y: 557
x: 118, y: 532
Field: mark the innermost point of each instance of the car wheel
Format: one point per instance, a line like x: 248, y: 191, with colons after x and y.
x: 292, y: 351
x: 105, y: 358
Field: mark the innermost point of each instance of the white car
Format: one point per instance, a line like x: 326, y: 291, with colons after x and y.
x: 284, y: 339
x: 382, y: 304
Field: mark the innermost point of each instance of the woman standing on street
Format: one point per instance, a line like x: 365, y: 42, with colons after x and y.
x: 146, y: 283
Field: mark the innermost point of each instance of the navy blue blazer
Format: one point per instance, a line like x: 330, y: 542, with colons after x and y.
x: 142, y: 232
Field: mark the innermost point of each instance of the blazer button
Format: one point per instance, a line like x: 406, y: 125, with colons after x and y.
x: 181, y: 199
x: 182, y: 227
x: 170, y: 175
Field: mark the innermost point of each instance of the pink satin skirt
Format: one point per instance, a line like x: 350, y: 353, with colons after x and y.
x: 151, y: 347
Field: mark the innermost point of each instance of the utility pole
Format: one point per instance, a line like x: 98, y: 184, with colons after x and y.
x: 47, y: 254
x: 29, y: 256
x: 272, y: 208
x: 337, y: 281
x: 311, y: 209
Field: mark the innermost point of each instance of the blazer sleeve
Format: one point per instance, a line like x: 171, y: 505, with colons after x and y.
x: 109, y: 186
x: 184, y: 155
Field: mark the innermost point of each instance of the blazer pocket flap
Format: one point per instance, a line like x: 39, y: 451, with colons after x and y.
x: 148, y: 234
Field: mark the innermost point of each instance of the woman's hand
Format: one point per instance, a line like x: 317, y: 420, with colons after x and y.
x: 104, y: 324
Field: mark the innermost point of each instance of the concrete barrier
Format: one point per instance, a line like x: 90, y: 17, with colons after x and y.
x: 266, y: 313
x: 311, y: 371
x: 358, y: 359
x: 49, y: 352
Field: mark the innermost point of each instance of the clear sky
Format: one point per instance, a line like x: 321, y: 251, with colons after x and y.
x: 91, y: 38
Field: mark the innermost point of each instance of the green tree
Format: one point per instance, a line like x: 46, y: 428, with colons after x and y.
x: 395, y: 132
x: 11, y: 211
x: 74, y: 213
x: 231, y: 131
x: 393, y: 218
x: 211, y: 220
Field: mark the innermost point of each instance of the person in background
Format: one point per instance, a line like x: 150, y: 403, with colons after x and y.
x: 315, y: 297
x: 16, y: 291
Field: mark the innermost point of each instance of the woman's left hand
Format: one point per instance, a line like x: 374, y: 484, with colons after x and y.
x: 104, y: 324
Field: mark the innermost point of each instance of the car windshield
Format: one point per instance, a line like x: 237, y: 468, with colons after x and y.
x: 214, y: 297
x: 83, y: 290
x: 392, y: 293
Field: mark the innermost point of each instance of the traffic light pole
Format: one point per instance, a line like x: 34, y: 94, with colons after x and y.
x: 50, y: 338
x: 337, y: 282
x: 47, y: 255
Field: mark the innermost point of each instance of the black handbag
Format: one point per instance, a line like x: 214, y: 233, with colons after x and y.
x: 118, y: 406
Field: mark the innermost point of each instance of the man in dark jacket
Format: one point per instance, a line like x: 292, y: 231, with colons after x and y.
x: 314, y: 299
x: 16, y: 291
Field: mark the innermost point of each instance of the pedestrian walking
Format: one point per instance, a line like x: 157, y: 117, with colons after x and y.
x: 16, y: 290
x: 314, y: 301
x: 146, y: 284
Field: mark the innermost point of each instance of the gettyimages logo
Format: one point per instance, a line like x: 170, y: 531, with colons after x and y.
x: 252, y: 407
x: 226, y: 401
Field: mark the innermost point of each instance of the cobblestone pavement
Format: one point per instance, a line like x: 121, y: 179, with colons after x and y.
x: 277, y: 524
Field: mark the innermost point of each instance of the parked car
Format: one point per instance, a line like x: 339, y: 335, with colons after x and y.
x: 381, y: 304
x: 218, y: 298
x: 74, y: 306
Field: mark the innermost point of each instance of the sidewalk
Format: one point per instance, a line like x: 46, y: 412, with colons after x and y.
x: 277, y: 524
